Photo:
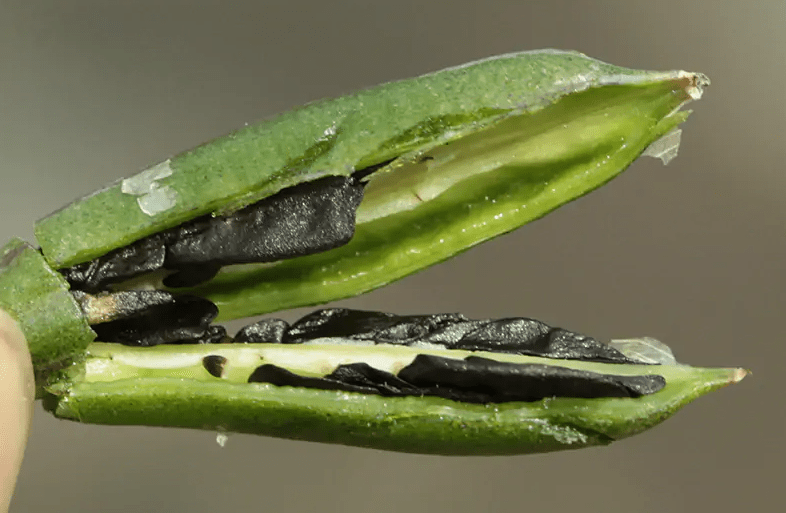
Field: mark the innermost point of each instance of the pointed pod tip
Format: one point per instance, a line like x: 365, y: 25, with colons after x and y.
x: 728, y: 376
x: 737, y: 375
x: 708, y: 380
x: 695, y: 83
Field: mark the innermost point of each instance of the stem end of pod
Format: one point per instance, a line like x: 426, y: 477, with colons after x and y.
x: 37, y: 297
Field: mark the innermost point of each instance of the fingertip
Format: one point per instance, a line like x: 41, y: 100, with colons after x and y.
x: 17, y: 395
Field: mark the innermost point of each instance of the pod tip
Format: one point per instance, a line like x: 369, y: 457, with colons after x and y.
x: 695, y: 83
x: 737, y: 375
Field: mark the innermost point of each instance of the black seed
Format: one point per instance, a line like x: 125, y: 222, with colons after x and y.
x: 534, y: 338
x: 266, y: 331
x: 568, y: 345
x: 472, y: 380
x: 214, y: 364
x: 182, y: 319
x: 281, y: 377
x: 453, y: 331
x: 142, y: 256
x: 356, y: 377
x: 503, y: 335
x: 365, y: 376
x: 477, y: 379
x: 213, y: 335
x: 381, y: 328
x: 301, y: 220
x: 336, y: 322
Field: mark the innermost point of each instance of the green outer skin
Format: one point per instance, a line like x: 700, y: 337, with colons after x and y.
x: 477, y: 209
x: 38, y: 299
x: 329, y: 137
x: 425, y: 425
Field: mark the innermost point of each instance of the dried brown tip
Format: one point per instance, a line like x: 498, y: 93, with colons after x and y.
x: 694, y: 83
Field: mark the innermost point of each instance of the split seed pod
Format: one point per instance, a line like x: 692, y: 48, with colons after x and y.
x: 332, y: 200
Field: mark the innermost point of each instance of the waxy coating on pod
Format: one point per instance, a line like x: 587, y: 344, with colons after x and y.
x: 331, y: 200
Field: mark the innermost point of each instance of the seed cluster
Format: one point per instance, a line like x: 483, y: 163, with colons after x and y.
x: 471, y: 380
x: 517, y: 335
x: 149, y: 318
x: 310, y: 218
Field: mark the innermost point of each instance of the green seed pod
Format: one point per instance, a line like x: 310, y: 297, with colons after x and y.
x: 332, y: 200
x: 467, y: 154
x: 184, y: 386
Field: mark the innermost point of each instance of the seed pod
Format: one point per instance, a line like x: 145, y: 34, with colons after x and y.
x: 421, y: 397
x: 329, y: 201
x: 449, y: 160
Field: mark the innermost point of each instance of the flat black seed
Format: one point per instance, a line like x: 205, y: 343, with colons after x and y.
x: 534, y: 338
x: 213, y: 335
x: 493, y: 381
x: 415, y: 328
x: 308, y: 218
x: 183, y: 319
x: 336, y: 322
x: 266, y: 331
x: 356, y: 377
x: 472, y: 380
x: 568, y: 345
x: 363, y: 375
x: 142, y: 256
x: 451, y: 334
x: 503, y: 336
x: 214, y: 364
x: 269, y: 373
x: 382, y: 328
x: 453, y: 331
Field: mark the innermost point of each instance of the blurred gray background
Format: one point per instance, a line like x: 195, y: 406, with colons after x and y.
x: 691, y: 253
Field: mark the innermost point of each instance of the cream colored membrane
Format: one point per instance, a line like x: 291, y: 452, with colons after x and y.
x: 665, y: 148
x: 645, y: 350
x: 511, y: 142
x: 17, y: 394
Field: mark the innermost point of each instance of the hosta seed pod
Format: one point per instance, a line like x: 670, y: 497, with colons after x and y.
x: 359, y: 381
x: 451, y: 159
x: 332, y: 200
